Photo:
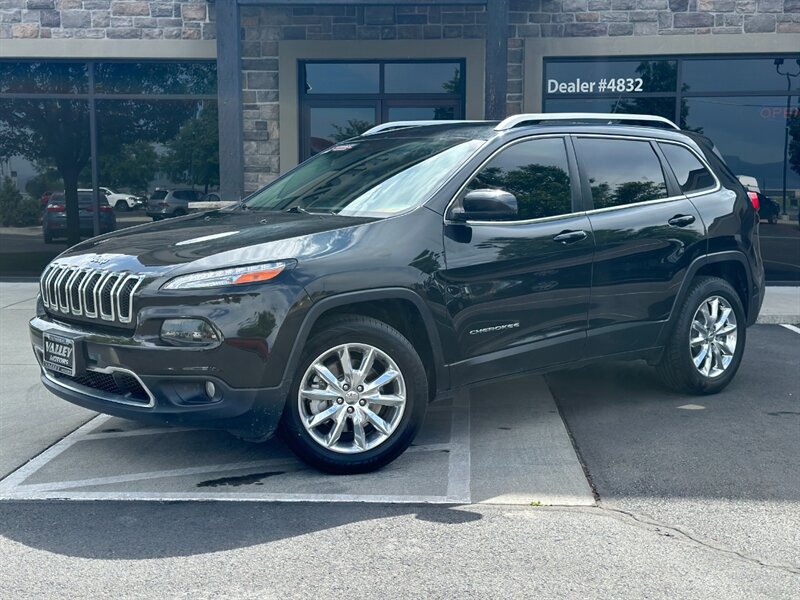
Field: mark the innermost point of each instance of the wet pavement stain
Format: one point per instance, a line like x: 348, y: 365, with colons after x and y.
x: 252, y: 479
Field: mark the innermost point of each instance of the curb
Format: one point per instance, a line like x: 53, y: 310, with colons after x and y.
x: 778, y: 319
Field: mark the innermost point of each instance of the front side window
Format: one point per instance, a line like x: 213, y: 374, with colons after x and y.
x: 691, y: 174
x: 367, y: 178
x: 536, y: 172
x: 621, y: 172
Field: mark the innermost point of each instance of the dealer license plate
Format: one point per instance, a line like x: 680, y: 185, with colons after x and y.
x: 59, y: 354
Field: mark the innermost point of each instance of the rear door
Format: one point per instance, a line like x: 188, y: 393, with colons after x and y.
x: 647, y: 232
x: 517, y: 292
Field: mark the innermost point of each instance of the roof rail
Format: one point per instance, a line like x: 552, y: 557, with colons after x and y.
x: 405, y: 124
x: 608, y: 118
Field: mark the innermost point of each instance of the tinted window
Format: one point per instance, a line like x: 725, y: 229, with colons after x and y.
x: 156, y: 78
x: 422, y: 78
x: 22, y: 77
x: 611, y: 77
x: 536, y: 172
x: 183, y: 195
x: 342, y: 78
x: 621, y: 171
x: 158, y: 195
x: 691, y: 174
x: 722, y: 75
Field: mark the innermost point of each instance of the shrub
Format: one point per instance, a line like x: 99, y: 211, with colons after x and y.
x: 16, y: 211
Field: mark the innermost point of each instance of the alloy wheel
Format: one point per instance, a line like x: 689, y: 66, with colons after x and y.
x: 352, y: 398
x: 712, y: 339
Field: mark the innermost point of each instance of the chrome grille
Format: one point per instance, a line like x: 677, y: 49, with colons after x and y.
x: 90, y: 293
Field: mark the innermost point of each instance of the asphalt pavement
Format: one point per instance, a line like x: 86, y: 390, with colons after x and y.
x: 696, y: 497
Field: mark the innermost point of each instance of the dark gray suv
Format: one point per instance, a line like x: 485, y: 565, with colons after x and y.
x: 171, y: 203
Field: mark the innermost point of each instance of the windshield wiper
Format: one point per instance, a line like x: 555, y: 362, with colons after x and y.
x: 297, y: 209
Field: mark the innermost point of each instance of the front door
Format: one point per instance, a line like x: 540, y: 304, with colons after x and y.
x: 518, y: 291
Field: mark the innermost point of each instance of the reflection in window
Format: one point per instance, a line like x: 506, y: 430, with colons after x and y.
x: 661, y: 107
x: 621, y: 172
x: 24, y: 77
x: 739, y: 74
x: 155, y: 78
x: 536, y: 172
x: 329, y: 125
x: 342, y: 78
x: 421, y: 113
x: 157, y: 143
x: 368, y: 178
x: 422, y: 78
x: 691, y: 174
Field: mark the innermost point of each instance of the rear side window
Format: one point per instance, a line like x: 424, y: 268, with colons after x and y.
x: 621, y: 172
x: 536, y: 172
x: 691, y: 174
x: 158, y: 195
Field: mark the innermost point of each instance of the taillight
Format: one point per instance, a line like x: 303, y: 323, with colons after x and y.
x: 105, y: 208
x: 163, y: 203
x: 754, y: 200
x: 56, y: 208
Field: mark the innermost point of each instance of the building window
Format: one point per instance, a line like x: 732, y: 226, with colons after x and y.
x: 339, y: 100
x: 156, y: 126
x: 747, y: 105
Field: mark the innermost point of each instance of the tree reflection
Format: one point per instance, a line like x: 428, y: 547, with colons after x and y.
x: 628, y: 192
x: 541, y: 190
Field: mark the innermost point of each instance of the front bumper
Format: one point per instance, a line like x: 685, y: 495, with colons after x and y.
x: 135, y: 381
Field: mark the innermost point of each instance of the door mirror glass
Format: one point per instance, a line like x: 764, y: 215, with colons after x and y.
x: 488, y: 205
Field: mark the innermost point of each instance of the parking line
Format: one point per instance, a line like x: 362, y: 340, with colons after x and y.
x: 459, y: 470
x: 17, y: 477
x: 103, y: 435
x: 791, y: 327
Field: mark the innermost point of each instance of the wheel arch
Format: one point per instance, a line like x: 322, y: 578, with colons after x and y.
x: 732, y: 266
x: 397, y: 307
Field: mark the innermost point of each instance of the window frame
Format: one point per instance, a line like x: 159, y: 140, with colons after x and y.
x: 574, y: 184
x: 673, y: 190
x: 382, y: 100
x: 709, y: 190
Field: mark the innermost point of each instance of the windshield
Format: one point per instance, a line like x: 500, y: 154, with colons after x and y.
x: 367, y: 178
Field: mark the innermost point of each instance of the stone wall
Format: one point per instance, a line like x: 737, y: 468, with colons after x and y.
x: 109, y: 19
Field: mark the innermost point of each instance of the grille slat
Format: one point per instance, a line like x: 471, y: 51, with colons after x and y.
x: 118, y: 383
x: 90, y: 293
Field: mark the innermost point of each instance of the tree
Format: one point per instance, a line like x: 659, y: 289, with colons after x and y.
x: 354, y: 128
x: 132, y: 166
x: 192, y: 156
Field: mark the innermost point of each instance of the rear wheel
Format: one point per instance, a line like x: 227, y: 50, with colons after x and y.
x: 48, y: 237
x: 179, y: 212
x: 705, y: 348
x: 358, y: 398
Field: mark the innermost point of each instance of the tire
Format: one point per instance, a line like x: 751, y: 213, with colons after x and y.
x: 677, y: 368
x: 48, y: 237
x: 374, y: 448
x: 179, y: 212
x: 121, y: 206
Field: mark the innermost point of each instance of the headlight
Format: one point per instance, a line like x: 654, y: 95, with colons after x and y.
x: 222, y: 277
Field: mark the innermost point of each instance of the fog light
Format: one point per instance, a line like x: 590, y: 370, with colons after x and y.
x: 188, y: 332
x: 211, y: 389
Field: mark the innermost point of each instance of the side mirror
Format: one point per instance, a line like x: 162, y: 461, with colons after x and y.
x: 486, y: 205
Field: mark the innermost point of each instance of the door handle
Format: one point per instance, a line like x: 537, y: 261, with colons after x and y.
x: 570, y: 237
x: 681, y: 220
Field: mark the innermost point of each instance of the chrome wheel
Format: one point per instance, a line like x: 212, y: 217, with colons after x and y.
x: 352, y: 398
x: 712, y: 340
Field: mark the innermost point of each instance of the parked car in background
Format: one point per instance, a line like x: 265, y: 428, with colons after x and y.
x: 45, y: 198
x: 767, y: 208
x: 54, y: 219
x: 163, y: 203
x: 118, y: 201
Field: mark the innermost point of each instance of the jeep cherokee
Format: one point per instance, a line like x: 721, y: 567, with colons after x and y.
x: 336, y: 302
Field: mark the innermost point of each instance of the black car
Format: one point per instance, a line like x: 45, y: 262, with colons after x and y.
x: 335, y: 303
x: 54, y: 218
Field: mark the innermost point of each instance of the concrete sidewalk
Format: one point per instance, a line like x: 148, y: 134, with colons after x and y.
x: 781, y: 305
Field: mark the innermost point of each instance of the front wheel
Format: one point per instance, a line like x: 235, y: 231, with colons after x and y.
x: 121, y: 205
x: 358, y: 398
x: 705, y: 348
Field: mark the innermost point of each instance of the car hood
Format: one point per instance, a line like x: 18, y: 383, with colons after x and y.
x: 213, y: 239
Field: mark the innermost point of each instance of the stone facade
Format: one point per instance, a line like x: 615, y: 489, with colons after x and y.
x: 263, y: 27
x: 107, y: 19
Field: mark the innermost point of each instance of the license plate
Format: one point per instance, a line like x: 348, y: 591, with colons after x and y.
x: 59, y: 354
